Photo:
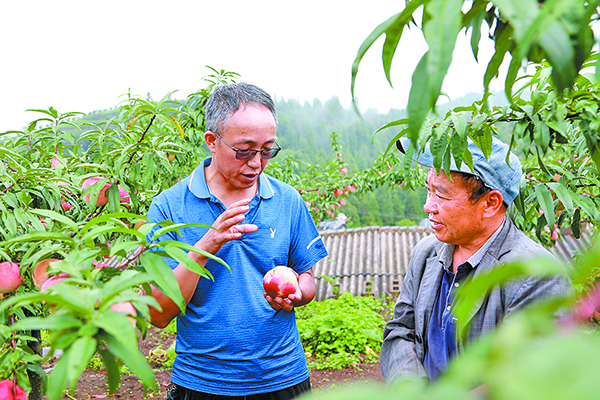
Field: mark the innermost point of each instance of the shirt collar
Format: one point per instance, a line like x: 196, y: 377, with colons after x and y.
x: 476, y: 258
x: 198, y: 186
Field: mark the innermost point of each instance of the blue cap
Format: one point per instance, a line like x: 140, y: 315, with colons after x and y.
x: 495, y: 172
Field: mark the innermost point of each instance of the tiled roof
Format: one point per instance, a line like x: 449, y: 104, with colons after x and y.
x: 364, y: 261
x: 373, y: 260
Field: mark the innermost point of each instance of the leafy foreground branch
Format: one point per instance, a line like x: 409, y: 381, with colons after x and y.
x: 90, y: 308
x: 532, y: 355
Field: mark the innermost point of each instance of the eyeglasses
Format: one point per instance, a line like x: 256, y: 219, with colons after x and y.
x: 248, y: 154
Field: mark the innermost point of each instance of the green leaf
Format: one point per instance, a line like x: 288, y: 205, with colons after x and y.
x: 184, y: 259
x: 117, y: 324
x: 126, y: 280
x: 544, y: 198
x: 419, y: 102
x: 541, y: 134
x: 477, y: 13
x: 392, y: 143
x: 541, y: 162
x: 53, y: 322
x: 440, y: 32
x: 399, y: 122
x: 470, y: 294
x: 112, y: 217
x: 80, y: 353
x: 576, y: 224
x: 395, y: 25
x: 113, y: 375
x: 170, y: 227
x: 586, y: 204
x: 114, y: 200
x: 563, y: 195
x: 189, y: 247
x: 132, y: 358
x: 74, y: 297
x: 58, y: 378
x: 163, y: 277
x: 40, y: 236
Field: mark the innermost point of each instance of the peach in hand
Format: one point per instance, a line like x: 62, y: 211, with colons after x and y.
x: 281, y: 281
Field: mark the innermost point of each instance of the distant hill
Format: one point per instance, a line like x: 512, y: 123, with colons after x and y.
x: 303, y: 132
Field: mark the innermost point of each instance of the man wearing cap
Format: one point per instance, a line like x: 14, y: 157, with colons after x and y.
x: 473, y: 235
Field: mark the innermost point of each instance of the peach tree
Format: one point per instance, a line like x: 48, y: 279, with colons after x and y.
x: 551, y: 121
x: 551, y: 117
x: 73, y: 197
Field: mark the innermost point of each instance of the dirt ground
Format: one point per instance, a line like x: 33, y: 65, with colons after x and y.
x: 92, y: 384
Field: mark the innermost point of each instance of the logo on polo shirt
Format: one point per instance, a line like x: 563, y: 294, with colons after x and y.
x: 272, y: 232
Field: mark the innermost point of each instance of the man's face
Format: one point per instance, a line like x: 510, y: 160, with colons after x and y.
x: 252, y: 127
x: 454, y: 218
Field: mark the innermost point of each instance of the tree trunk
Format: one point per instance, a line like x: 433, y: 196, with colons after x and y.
x: 34, y: 379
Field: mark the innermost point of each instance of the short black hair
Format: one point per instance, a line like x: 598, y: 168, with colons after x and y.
x: 477, y: 187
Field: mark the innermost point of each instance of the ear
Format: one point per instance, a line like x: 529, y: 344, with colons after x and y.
x: 210, y: 138
x: 492, y: 204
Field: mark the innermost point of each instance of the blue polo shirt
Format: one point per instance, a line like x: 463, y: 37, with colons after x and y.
x: 230, y: 341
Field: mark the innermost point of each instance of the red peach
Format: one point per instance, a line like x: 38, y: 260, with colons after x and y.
x: 280, y: 281
x: 102, y: 198
x: 53, y: 281
x: 40, y: 272
x: 6, y: 391
x: 124, y: 195
x: 127, y: 308
x: 56, y: 162
x: 10, y: 277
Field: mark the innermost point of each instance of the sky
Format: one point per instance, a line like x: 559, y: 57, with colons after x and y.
x: 84, y: 55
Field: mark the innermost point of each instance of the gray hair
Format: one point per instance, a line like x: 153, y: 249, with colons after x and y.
x: 227, y: 99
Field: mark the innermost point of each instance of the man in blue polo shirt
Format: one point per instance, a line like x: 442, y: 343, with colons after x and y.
x: 234, y: 341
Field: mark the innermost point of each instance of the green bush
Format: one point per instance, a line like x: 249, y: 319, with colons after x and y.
x: 340, y: 332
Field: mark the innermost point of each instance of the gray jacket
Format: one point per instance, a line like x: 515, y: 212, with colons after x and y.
x: 405, y: 337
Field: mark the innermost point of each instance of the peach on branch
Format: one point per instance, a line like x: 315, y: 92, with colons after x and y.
x: 53, y: 281
x: 139, y: 224
x: 125, y: 307
x: 170, y: 157
x: 7, y: 393
x: 281, y: 281
x: 56, y: 162
x: 102, y: 197
x: 124, y: 195
x: 65, y: 204
x: 40, y: 272
x: 10, y: 277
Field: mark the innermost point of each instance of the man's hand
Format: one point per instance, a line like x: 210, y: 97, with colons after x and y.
x: 227, y: 228
x: 284, y: 303
x: 304, y: 295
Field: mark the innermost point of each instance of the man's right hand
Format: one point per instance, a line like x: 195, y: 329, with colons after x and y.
x: 227, y: 228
